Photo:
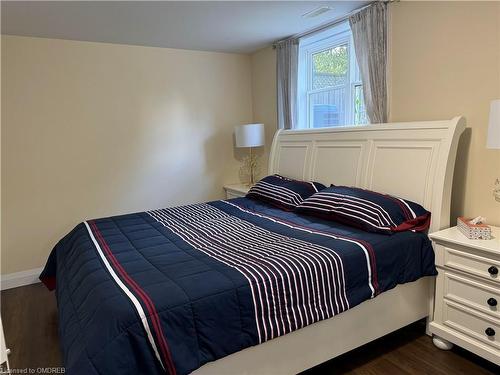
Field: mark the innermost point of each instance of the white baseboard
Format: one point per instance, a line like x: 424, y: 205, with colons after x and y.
x: 13, y: 280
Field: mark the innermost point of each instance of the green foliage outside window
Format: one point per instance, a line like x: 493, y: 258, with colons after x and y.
x: 333, y: 61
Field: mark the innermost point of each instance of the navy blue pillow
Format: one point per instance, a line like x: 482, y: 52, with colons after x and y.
x: 283, y: 192
x: 368, y: 210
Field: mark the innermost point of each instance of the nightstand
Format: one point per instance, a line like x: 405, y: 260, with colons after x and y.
x: 236, y: 190
x: 467, y: 296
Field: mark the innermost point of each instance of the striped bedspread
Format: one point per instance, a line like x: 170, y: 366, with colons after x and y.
x: 168, y: 290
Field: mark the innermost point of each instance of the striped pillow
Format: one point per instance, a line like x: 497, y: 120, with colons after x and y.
x: 283, y: 192
x: 368, y: 210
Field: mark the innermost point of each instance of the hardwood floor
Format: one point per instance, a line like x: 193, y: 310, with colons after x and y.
x: 30, y: 321
x: 406, y: 351
x: 29, y: 316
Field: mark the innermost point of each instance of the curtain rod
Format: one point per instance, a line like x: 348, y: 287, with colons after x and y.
x: 330, y: 24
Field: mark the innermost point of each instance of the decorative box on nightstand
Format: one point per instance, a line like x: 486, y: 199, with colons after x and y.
x: 467, y: 298
x: 236, y: 190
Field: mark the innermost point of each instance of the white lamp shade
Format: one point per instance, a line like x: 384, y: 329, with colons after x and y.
x: 249, y: 135
x: 493, y: 140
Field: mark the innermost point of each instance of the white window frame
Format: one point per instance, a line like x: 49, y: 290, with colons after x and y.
x: 308, y: 46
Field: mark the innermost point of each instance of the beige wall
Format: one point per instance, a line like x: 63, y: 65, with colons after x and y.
x: 445, y: 61
x: 94, y: 129
x: 264, y: 99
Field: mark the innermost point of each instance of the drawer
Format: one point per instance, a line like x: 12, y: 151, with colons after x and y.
x: 472, y: 323
x: 471, y: 263
x: 483, y: 297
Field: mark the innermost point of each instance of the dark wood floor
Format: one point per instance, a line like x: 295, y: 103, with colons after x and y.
x: 30, y: 321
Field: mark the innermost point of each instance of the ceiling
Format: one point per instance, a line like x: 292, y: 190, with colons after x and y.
x: 225, y: 26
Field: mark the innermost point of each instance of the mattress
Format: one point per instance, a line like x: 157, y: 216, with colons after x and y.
x: 168, y: 290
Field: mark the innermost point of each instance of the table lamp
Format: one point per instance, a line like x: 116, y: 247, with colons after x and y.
x: 493, y: 140
x: 250, y: 136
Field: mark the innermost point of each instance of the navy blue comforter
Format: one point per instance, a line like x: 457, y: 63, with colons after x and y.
x: 169, y: 290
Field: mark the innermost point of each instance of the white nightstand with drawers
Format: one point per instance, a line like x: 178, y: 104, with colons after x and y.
x: 236, y: 190
x: 467, y: 298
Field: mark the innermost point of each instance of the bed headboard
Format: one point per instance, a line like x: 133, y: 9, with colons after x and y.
x: 412, y: 160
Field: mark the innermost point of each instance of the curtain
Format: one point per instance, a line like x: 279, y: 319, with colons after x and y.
x: 369, y: 30
x: 287, y: 61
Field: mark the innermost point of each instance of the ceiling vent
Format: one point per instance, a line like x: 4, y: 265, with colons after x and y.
x: 317, y: 11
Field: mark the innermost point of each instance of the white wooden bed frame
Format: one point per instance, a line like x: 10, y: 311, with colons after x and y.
x: 413, y: 160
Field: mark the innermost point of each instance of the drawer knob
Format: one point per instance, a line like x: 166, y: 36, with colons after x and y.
x: 492, y: 302
x: 489, y: 332
x: 493, y: 270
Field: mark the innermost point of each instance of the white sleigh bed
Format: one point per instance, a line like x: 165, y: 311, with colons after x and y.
x: 412, y: 160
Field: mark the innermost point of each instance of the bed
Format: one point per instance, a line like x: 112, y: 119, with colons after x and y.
x: 239, y: 286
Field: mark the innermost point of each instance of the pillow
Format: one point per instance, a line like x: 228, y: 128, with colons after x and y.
x: 283, y: 192
x: 368, y: 210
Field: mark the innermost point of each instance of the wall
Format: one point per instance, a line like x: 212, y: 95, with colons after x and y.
x: 94, y: 129
x: 445, y: 61
x: 264, y: 99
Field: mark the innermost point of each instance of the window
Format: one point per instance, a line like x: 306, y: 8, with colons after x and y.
x: 330, y: 91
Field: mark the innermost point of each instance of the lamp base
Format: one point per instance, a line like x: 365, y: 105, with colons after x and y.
x: 249, y: 169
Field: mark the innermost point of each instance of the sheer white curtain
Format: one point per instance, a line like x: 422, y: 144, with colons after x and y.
x: 287, y: 60
x: 369, y: 30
